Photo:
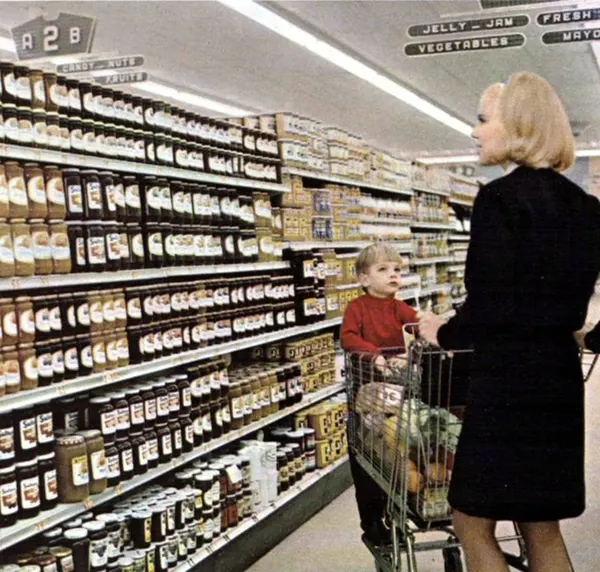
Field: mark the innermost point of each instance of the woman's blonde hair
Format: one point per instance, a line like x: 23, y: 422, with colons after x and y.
x: 538, y: 132
x: 374, y: 253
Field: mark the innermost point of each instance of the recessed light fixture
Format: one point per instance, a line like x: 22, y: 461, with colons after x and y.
x: 296, y: 34
x: 7, y: 44
x: 190, y: 98
x: 452, y: 159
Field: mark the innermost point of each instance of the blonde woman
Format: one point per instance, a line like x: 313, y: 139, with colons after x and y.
x: 532, y: 263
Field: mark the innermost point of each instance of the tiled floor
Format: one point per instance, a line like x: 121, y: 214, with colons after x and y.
x: 330, y: 542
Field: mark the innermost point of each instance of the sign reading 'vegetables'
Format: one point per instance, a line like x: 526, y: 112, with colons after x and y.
x: 473, y: 44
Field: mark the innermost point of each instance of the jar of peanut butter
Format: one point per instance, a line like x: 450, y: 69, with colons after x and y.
x: 36, y: 190
x: 57, y: 208
x: 26, y: 319
x: 4, y: 204
x: 22, y: 248
x: 18, y: 203
x: 7, y: 257
x: 60, y: 248
x: 40, y: 240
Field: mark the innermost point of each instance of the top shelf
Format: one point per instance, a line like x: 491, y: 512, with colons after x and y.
x: 346, y: 181
x: 76, y: 160
x: 461, y: 202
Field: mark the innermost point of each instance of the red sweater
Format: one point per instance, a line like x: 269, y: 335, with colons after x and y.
x: 371, y: 324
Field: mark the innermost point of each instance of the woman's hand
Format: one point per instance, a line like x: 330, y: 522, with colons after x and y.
x: 429, y: 324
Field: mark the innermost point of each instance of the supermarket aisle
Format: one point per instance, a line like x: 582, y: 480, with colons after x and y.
x: 330, y: 541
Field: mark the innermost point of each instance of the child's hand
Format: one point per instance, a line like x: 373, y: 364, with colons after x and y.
x: 380, y: 363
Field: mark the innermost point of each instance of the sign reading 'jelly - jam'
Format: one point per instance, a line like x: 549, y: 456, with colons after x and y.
x: 474, y: 44
x: 569, y: 36
x: 460, y: 26
x: 69, y: 34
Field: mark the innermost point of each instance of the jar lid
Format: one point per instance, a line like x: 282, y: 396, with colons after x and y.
x: 75, y: 523
x: 141, y: 513
x: 24, y: 108
x: 90, y: 434
x: 125, y: 562
x: 117, y: 395
x: 60, y: 551
x: 132, y: 391
x: 26, y: 464
x: 99, y: 400
x: 7, y: 470
x: 76, y: 533
x: 94, y: 525
x: 69, y: 440
x: 30, y: 568
x: 47, y: 456
x: 107, y: 517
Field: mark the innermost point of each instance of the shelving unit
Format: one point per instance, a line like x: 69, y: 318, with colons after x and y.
x: 285, y: 498
x: 431, y: 191
x: 87, y: 383
x: 90, y: 162
x: 461, y: 202
x: 345, y: 181
x: 403, y: 247
x: 426, y: 261
x: 459, y: 238
x: 94, y: 278
x: 25, y: 529
x: 431, y: 225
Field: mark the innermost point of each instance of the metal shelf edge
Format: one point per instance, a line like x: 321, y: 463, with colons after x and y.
x: 63, y: 280
x: 30, y: 527
x: 50, y: 156
x: 78, y: 385
x: 425, y: 261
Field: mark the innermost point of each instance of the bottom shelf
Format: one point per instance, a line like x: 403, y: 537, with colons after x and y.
x: 225, y: 539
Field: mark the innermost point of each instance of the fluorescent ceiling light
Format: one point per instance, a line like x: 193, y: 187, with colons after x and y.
x: 587, y: 153
x: 294, y: 33
x: 8, y: 45
x: 190, y: 98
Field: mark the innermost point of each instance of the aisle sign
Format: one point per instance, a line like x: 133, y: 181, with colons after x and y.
x: 120, y: 78
x: 473, y: 44
x: 116, y: 63
x: 569, y: 36
x: 568, y: 17
x: 68, y: 35
x: 460, y: 26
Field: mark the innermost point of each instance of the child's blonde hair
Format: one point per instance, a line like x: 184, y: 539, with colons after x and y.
x: 377, y: 252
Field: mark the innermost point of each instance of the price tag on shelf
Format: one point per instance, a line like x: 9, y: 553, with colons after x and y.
x: 255, y: 517
x: 119, y: 490
x: 60, y: 390
x: 40, y: 526
x: 16, y: 282
x: 209, y: 549
x: 88, y: 503
x: 190, y: 562
x: 226, y: 537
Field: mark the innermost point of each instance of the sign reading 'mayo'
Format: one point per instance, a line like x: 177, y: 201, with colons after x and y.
x: 68, y: 35
x: 465, y: 45
x: 569, y: 36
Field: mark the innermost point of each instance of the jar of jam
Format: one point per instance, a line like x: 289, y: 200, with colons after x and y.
x: 40, y: 129
x: 126, y: 458
x: 17, y: 190
x: 28, y: 486
x: 9, y: 497
x: 95, y: 246
x: 55, y: 193
x: 133, y: 203
x: 11, y: 123
x: 48, y: 481
x: 113, y: 465
x: 60, y: 249
x: 92, y: 195
x: 140, y: 453
x: 74, y: 194
x: 165, y: 442
x: 107, y: 184
x: 25, y: 123
x: 102, y: 416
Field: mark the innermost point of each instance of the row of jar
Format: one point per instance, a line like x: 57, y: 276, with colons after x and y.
x: 31, y: 191
x: 28, y: 366
x: 53, y: 93
x: 37, y: 248
x: 27, y: 319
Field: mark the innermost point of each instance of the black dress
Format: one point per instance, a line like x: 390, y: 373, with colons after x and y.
x: 533, y: 259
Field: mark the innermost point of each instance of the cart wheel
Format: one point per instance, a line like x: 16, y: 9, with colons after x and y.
x: 452, y: 560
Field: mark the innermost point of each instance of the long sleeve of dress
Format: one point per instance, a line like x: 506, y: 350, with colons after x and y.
x: 592, y: 339
x: 489, y: 276
x: 351, y: 337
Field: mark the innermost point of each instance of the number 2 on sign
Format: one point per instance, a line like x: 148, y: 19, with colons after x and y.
x: 50, y: 38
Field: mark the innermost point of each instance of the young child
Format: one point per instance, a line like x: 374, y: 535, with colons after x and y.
x: 373, y: 322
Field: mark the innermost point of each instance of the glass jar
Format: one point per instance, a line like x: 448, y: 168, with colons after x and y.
x: 74, y: 194
x: 40, y: 129
x: 126, y: 459
x: 96, y: 460
x: 36, y: 191
x: 92, y: 195
x: 55, y: 193
x: 48, y: 480
x: 25, y: 123
x: 28, y: 487
x: 9, y: 497
x: 53, y: 131
x: 72, y: 468
x: 76, y: 137
x: 59, y: 247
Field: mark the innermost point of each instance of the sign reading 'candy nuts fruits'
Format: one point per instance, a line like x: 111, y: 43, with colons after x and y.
x: 473, y: 44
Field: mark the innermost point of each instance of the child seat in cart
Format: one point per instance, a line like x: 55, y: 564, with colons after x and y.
x: 404, y: 423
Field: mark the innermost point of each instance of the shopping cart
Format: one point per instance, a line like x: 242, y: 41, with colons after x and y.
x: 588, y: 363
x: 403, y: 429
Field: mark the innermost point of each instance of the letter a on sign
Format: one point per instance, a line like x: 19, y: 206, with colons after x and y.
x: 69, y: 34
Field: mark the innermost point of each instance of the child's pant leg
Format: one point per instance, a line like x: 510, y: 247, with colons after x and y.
x: 369, y: 496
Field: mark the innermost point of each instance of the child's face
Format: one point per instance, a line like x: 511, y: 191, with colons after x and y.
x: 382, y: 279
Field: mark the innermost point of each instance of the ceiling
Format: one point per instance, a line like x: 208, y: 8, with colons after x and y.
x: 212, y: 50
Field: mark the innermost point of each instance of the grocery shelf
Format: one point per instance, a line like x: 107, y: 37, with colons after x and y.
x: 459, y: 237
x: 89, y: 162
x: 426, y: 261
x: 463, y: 178
x: 306, y: 245
x: 43, y: 394
x: 345, y: 181
x: 27, y: 528
x: 431, y: 191
x: 432, y: 225
x: 248, y: 523
x: 461, y: 202
x: 93, y: 278
x: 437, y: 289
x: 410, y: 294
x: 406, y: 221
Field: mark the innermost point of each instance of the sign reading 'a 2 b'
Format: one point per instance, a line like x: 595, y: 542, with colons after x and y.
x: 69, y: 34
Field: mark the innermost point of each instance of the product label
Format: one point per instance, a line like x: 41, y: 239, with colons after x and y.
x: 80, y: 252
x: 75, y: 198
x: 30, y: 493
x: 7, y: 443
x: 155, y: 244
x: 113, y: 467
x: 166, y: 444
x: 44, y: 366
x: 81, y: 143
x: 28, y: 433
x: 162, y: 405
x: 124, y: 246
x: 96, y: 313
x: 71, y: 361
x: 110, y: 193
x: 96, y: 250
x: 25, y: 131
x: 42, y: 320
x: 150, y: 409
x: 58, y: 362
x: 134, y: 309
x: 83, y: 314
x: 41, y: 245
x: 108, y: 422
x: 137, y: 413
x: 94, y: 195
x: 132, y: 196
x: 143, y: 454
x: 79, y: 466
x: 45, y: 428
x: 113, y: 246
x: 206, y: 423
x: 8, y: 498
x: 99, y: 553
x: 23, y: 249
x: 177, y: 440
x: 153, y: 197
x: 11, y: 129
x: 127, y: 460
x: 152, y: 449
x: 99, y: 465
x: 119, y: 195
x: 123, y: 423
